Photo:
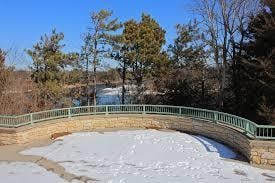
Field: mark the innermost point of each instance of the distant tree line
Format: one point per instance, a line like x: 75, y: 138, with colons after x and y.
x: 222, y: 60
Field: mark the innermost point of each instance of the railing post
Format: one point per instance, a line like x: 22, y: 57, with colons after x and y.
x: 246, y: 127
x: 31, y: 118
x: 143, y: 109
x: 69, y: 112
x: 180, y: 111
x: 215, y: 117
x: 255, y: 129
x: 106, y: 110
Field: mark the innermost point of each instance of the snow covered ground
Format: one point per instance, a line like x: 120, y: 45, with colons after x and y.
x: 148, y: 156
x: 107, y: 96
x: 18, y: 172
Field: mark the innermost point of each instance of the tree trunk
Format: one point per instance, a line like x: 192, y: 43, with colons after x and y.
x: 216, y: 58
x: 87, y: 82
x: 203, y: 87
x: 224, y: 66
x: 94, y: 79
x: 223, y: 78
x: 123, y: 83
x: 236, y: 75
x: 94, y: 65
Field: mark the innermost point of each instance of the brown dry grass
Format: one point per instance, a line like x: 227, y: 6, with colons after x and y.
x: 56, y: 135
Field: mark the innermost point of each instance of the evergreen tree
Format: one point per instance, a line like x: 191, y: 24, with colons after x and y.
x: 186, y: 82
x: 258, y: 66
x: 48, y: 69
x: 86, y: 57
x: 96, y: 43
x: 118, y: 50
x: 143, y: 49
x: 188, y: 49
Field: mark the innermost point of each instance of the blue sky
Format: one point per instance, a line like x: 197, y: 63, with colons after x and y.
x: 24, y: 21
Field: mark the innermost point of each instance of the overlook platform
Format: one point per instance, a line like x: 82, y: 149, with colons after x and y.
x: 255, y: 142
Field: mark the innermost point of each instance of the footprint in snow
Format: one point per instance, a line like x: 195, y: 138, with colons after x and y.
x: 240, y: 172
x: 270, y: 177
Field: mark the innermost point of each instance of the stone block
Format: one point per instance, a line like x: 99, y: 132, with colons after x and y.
x: 268, y: 155
x: 271, y: 161
x: 256, y: 160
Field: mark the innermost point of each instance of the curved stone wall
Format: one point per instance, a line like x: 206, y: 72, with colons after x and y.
x: 257, y: 152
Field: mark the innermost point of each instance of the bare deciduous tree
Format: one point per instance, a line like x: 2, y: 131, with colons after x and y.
x: 223, y: 22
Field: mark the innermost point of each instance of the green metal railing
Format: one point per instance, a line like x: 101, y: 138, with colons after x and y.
x: 250, y: 128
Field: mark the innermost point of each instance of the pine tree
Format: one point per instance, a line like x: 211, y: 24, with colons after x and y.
x: 258, y: 66
x: 186, y: 82
x: 95, y: 46
x: 118, y: 50
x: 143, y: 49
x: 188, y: 49
x: 48, y: 68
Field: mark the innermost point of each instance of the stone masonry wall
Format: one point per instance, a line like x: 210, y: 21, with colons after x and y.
x: 257, y: 152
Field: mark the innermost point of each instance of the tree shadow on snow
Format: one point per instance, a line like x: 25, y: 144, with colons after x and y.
x: 216, y: 147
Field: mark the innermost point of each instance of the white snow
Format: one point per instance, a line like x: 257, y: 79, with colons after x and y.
x: 113, y: 95
x: 149, y: 156
x: 131, y: 89
x: 18, y: 172
x: 112, y: 91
